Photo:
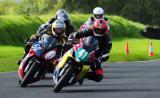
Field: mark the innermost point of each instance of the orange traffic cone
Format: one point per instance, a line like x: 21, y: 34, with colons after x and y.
x: 151, y: 53
x: 127, y: 49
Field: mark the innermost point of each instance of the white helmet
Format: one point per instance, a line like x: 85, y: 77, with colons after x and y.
x: 98, y: 12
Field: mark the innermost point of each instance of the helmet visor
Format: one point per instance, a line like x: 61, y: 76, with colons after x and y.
x: 98, y: 16
x: 58, y: 31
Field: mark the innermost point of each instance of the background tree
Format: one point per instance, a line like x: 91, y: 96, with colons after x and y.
x: 145, y: 11
x: 8, y: 7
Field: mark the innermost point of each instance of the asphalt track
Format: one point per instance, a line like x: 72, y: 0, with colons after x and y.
x: 121, y: 80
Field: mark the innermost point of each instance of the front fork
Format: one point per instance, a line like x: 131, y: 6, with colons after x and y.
x: 59, y: 70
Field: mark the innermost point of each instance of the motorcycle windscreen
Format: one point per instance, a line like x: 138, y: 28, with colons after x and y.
x: 37, y: 48
x: 44, y: 44
x: 48, y: 42
x: 90, y: 44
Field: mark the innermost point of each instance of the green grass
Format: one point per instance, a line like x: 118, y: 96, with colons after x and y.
x: 8, y: 58
x: 14, y: 29
x: 138, y: 51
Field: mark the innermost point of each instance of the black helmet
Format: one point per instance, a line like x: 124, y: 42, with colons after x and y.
x: 62, y: 15
x: 60, y: 11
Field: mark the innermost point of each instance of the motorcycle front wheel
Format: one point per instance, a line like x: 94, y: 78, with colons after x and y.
x: 63, y: 79
x: 32, y: 70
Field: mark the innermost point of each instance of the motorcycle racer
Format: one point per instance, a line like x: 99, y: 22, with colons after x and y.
x: 61, y: 15
x: 57, y: 29
x: 99, y: 31
x: 98, y: 13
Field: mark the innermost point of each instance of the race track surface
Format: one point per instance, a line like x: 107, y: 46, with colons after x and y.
x: 121, y: 80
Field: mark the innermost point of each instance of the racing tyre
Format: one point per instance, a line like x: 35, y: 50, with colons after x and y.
x: 63, y: 80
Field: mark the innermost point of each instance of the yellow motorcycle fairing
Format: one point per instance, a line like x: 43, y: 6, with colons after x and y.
x: 64, y: 60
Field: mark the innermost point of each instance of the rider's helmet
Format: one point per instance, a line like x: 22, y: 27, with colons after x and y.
x: 90, y: 43
x: 63, y: 15
x: 98, y: 12
x: 60, y: 11
x: 58, y: 27
x: 100, y: 27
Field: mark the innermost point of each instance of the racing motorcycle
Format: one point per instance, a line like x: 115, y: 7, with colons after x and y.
x: 38, y: 61
x: 75, y: 63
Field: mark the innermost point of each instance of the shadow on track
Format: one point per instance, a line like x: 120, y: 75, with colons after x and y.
x: 39, y: 86
x: 47, y: 78
x: 107, y: 90
x: 130, y: 77
x: 116, y: 84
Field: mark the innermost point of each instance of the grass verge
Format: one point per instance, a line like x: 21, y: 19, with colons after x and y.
x: 8, y: 58
x: 138, y: 50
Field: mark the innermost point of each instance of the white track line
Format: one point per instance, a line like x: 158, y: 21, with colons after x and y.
x: 7, y: 72
x: 139, y: 61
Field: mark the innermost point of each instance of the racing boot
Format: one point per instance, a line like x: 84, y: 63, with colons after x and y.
x: 81, y: 81
x: 95, y: 76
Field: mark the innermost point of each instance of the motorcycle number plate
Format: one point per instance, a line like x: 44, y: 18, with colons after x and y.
x: 50, y: 55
